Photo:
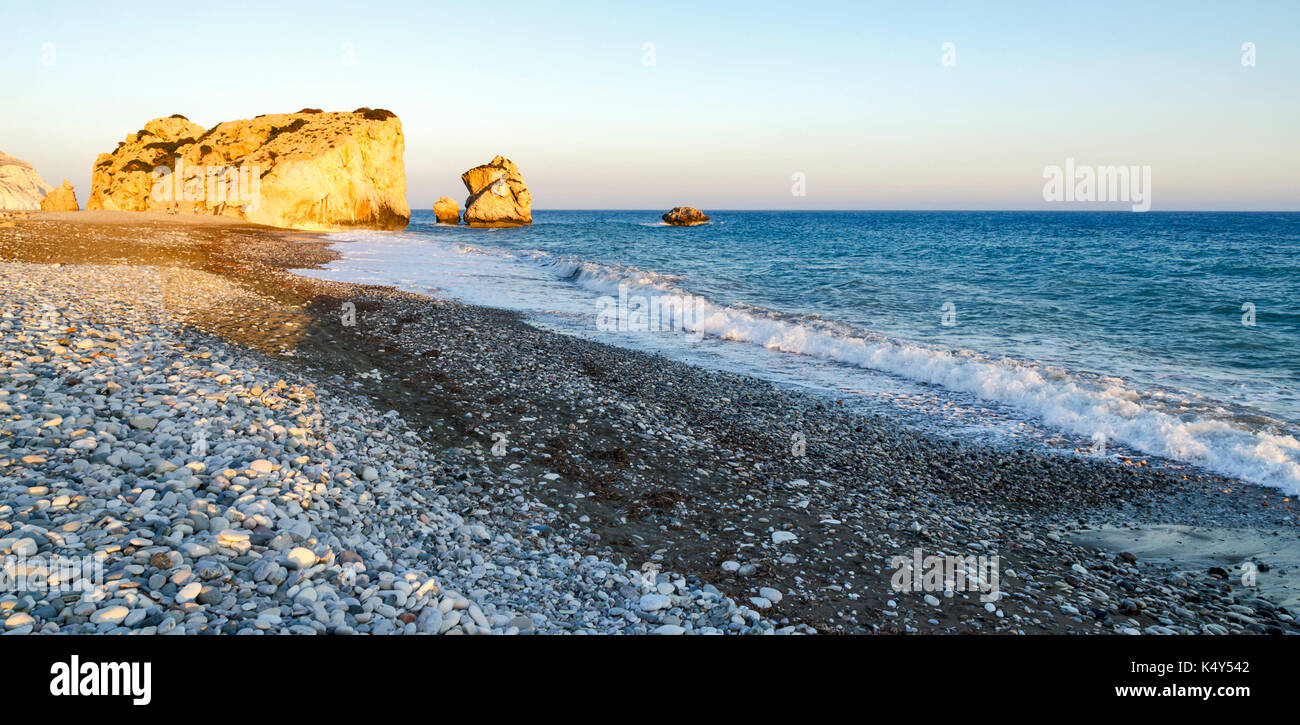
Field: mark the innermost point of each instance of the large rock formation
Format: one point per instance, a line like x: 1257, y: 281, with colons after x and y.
x: 124, y: 179
x: 21, y: 188
x: 63, y: 198
x: 446, y: 211
x: 684, y: 216
x: 305, y: 170
x: 498, y: 196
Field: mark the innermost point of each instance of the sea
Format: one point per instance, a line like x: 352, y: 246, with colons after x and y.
x: 1162, y: 334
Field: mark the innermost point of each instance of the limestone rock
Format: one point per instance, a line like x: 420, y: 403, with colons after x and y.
x: 21, y: 188
x: 122, y: 180
x: 446, y: 211
x: 684, y: 216
x: 63, y: 198
x: 498, y: 196
x: 305, y: 170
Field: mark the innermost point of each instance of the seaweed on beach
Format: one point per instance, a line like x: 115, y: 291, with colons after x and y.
x: 592, y: 371
x: 564, y: 464
x: 661, y: 501
x: 617, y: 455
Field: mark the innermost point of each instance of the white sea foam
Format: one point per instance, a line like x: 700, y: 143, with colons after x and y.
x: 1154, y: 422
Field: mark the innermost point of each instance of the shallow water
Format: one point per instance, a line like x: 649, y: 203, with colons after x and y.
x: 1124, y: 330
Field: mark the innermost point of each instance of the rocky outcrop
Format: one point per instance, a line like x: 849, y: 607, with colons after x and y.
x: 63, y: 198
x: 21, y: 188
x: 305, y: 170
x: 684, y: 216
x: 446, y: 211
x: 124, y: 179
x: 498, y: 196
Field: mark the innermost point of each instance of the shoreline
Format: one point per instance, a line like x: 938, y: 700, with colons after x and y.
x: 662, y: 463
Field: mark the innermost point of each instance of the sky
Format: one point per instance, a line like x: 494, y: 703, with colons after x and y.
x: 717, y: 105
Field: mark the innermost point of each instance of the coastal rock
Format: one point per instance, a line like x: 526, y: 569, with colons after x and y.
x: 498, y: 196
x: 684, y: 216
x: 305, y: 170
x: 654, y: 602
x: 109, y: 615
x: 122, y: 180
x: 301, y: 557
x: 63, y: 198
x: 21, y: 188
x: 446, y: 210
x: 25, y: 547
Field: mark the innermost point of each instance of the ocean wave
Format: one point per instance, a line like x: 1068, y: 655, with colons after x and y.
x: 1083, y: 405
x: 1162, y: 422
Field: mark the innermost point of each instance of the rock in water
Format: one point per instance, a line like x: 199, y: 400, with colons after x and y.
x: 305, y: 170
x: 446, y: 211
x: 498, y: 196
x: 21, y: 188
x: 63, y: 198
x: 684, y: 216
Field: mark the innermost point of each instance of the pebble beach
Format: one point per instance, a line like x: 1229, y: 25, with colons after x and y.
x: 240, y: 458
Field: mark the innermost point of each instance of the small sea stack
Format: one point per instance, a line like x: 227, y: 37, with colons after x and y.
x: 684, y: 216
x: 446, y: 210
x: 498, y: 196
x: 63, y: 198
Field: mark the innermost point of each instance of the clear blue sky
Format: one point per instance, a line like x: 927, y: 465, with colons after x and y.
x: 740, y: 95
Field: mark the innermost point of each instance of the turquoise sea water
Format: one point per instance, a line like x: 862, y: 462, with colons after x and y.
x: 1124, y: 331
